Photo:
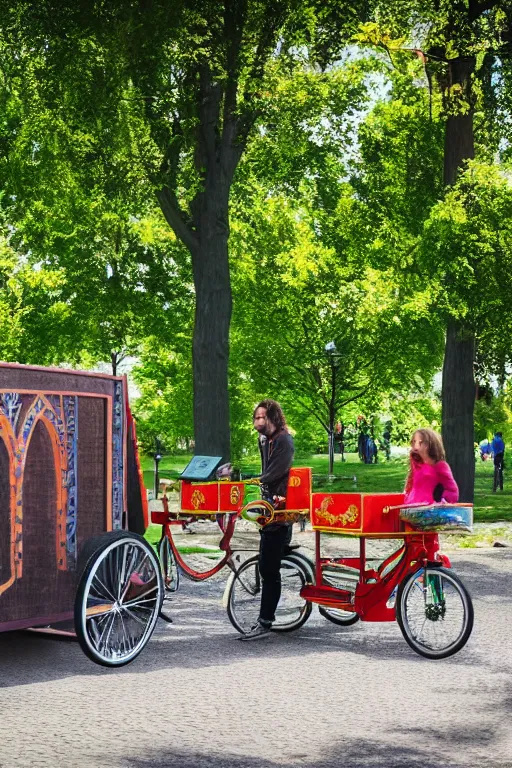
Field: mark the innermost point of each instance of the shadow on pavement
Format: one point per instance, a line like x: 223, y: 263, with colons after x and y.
x: 485, y: 576
x: 201, y: 636
x: 470, y: 750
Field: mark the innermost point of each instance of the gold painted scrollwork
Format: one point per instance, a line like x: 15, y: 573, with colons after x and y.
x: 197, y: 499
x: 234, y: 496
x: 348, y: 517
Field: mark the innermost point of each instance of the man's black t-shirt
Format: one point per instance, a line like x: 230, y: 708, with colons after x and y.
x: 276, y: 461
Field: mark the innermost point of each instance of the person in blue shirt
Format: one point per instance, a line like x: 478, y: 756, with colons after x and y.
x: 498, y: 449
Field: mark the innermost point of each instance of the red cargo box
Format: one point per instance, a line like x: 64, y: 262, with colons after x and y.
x: 200, y: 498
x: 357, y: 514
x: 231, y: 496
x: 298, y: 495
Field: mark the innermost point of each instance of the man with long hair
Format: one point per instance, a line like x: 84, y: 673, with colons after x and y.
x: 276, y: 449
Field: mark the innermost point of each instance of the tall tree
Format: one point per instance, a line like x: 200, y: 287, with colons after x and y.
x: 454, y: 40
x: 203, y: 74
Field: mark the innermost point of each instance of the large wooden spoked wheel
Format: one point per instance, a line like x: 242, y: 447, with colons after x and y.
x: 118, y: 599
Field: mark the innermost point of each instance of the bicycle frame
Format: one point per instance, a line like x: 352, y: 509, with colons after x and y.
x: 223, y: 501
x: 226, y: 523
x: 371, y: 600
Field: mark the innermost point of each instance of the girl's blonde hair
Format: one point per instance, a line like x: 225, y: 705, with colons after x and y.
x: 436, y: 452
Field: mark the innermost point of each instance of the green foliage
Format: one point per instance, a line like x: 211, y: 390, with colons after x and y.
x: 164, y: 408
x: 465, y: 247
x: 493, y: 415
x: 79, y: 204
x: 34, y: 317
x: 303, y: 284
x: 395, y: 183
x: 408, y: 414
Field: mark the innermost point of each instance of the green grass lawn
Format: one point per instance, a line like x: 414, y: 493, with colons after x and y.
x: 377, y: 478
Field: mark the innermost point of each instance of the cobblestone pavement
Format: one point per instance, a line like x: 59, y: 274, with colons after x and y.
x: 322, y: 697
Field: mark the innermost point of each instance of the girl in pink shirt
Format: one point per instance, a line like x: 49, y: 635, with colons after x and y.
x: 430, y: 478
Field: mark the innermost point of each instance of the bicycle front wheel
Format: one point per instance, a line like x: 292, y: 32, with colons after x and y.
x: 434, y: 612
x: 244, y: 596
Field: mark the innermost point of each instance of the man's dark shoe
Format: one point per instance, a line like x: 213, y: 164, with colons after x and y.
x: 256, y: 632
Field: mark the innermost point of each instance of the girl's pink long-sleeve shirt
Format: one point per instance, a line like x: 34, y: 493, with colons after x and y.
x: 425, y: 477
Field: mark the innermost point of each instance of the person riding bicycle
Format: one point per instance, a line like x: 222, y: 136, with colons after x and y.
x: 498, y: 450
x: 276, y: 449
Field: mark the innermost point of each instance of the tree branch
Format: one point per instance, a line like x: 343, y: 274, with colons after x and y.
x: 176, y: 218
x: 355, y: 397
x: 234, y: 20
x: 266, y: 44
x: 208, y: 129
x: 308, y: 374
x: 308, y: 408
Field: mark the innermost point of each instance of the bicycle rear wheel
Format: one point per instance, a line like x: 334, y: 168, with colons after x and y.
x: 434, y: 612
x: 341, y: 578
x: 244, y: 596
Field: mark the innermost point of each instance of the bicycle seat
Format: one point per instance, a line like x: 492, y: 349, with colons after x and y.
x: 290, y: 547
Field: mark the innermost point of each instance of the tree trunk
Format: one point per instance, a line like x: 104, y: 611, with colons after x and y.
x: 210, y: 265
x: 458, y: 404
x: 458, y: 392
x: 208, y: 246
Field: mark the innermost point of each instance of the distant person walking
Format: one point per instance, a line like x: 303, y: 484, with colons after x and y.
x: 339, y: 438
x: 386, y: 437
x: 498, y: 450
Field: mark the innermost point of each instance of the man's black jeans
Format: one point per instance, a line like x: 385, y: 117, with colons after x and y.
x: 274, y: 540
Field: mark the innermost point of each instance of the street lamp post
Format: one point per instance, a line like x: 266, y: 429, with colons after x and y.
x: 333, y: 357
x: 157, y: 457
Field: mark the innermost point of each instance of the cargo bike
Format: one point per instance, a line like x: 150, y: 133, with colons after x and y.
x: 222, y: 502
x: 73, y: 514
x: 414, y: 584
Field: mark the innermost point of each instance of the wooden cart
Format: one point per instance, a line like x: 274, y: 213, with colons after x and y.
x: 73, y: 512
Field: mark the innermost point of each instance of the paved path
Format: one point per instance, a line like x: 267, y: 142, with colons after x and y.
x: 323, y: 697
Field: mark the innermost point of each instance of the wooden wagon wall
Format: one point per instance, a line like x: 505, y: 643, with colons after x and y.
x: 62, y: 480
